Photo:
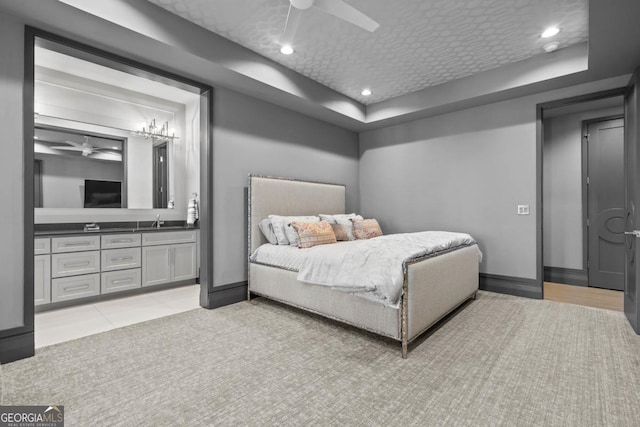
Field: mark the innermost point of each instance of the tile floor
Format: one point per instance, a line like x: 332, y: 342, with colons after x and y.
x: 66, y: 324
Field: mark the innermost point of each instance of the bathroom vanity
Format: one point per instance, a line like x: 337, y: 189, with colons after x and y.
x: 73, y: 265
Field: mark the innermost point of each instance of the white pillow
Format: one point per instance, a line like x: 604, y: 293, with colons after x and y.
x: 345, y: 220
x: 332, y: 219
x: 282, y: 230
x: 267, y: 229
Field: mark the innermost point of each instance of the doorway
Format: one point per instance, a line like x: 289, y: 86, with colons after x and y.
x: 583, y: 194
x: 160, y: 176
x: 23, y: 341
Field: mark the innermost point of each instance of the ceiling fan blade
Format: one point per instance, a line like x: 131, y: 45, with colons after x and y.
x: 291, y: 25
x: 75, y: 144
x: 347, y: 12
x: 65, y: 147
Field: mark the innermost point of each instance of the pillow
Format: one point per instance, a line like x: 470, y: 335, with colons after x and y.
x: 341, y: 232
x: 280, y: 225
x: 332, y: 219
x: 291, y: 233
x: 313, y: 234
x: 267, y: 229
x: 345, y: 221
x: 366, y: 228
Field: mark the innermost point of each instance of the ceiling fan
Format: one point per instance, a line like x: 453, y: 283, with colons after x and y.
x: 337, y: 8
x: 86, y: 148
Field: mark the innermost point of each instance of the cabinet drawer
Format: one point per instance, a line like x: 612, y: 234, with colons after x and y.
x: 168, y: 237
x: 75, y: 244
x: 75, y: 287
x: 42, y: 246
x: 116, y: 281
x: 74, y: 264
x: 120, y: 259
x: 114, y: 241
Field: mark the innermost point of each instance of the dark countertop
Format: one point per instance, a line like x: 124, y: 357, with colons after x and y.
x: 49, y: 230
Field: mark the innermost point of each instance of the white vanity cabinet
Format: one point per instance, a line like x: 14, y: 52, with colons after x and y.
x: 168, y: 257
x: 77, y: 266
x: 42, y: 271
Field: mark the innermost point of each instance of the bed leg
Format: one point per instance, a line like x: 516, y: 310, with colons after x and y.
x: 404, y: 349
x: 475, y: 295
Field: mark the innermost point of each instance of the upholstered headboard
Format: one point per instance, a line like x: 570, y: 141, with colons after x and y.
x: 286, y: 196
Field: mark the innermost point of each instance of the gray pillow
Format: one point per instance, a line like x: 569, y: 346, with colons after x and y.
x: 267, y: 229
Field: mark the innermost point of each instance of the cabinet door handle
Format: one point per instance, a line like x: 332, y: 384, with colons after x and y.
x: 122, y: 258
x: 117, y: 282
x: 122, y: 241
x: 76, y: 288
x: 72, y: 244
x: 77, y: 264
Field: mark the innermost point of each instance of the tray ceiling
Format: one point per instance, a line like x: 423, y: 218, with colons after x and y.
x: 420, y: 43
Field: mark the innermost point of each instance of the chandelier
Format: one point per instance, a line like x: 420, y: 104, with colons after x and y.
x: 156, y: 133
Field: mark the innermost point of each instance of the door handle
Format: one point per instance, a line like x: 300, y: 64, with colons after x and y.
x: 633, y: 233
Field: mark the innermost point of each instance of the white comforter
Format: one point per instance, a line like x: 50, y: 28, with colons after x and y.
x: 372, y: 267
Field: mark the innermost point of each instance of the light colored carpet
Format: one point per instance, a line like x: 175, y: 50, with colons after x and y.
x: 501, y: 360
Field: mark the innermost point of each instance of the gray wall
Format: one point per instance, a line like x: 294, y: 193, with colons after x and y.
x: 63, y: 178
x: 11, y: 207
x: 562, y: 191
x: 251, y: 136
x: 465, y: 171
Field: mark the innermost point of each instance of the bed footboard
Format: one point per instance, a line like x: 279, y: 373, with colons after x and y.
x: 434, y: 287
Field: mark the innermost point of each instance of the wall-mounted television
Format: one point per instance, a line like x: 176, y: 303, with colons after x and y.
x: 102, y: 194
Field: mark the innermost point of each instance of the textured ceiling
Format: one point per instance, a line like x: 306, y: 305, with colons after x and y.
x: 420, y: 43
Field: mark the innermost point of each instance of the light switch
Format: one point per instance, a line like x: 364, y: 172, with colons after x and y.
x: 523, y: 209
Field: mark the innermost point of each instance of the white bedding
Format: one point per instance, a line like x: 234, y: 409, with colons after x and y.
x: 371, y: 267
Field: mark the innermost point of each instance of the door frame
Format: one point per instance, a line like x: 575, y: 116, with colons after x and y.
x: 620, y: 91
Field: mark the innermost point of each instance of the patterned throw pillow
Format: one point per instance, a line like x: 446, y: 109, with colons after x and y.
x: 366, y: 228
x: 313, y: 234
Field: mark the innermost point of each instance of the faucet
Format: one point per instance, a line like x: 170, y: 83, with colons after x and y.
x: 157, y: 223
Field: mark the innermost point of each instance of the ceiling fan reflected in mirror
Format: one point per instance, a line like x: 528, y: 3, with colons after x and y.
x: 337, y: 8
x: 86, y: 148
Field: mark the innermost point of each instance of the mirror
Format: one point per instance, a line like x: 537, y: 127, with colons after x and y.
x: 104, y: 138
x: 69, y: 165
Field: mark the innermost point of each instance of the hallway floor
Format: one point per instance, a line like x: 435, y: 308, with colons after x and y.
x: 66, y: 324
x: 582, y: 295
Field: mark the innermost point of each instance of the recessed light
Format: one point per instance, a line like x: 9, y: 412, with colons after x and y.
x: 286, y: 50
x: 550, y: 47
x: 366, y: 92
x: 550, y: 32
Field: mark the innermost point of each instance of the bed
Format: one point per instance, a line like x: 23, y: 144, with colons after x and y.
x: 432, y: 286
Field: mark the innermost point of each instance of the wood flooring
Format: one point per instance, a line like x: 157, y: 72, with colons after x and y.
x: 581, y: 295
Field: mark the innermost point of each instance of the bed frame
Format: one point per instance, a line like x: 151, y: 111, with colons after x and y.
x: 432, y: 288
